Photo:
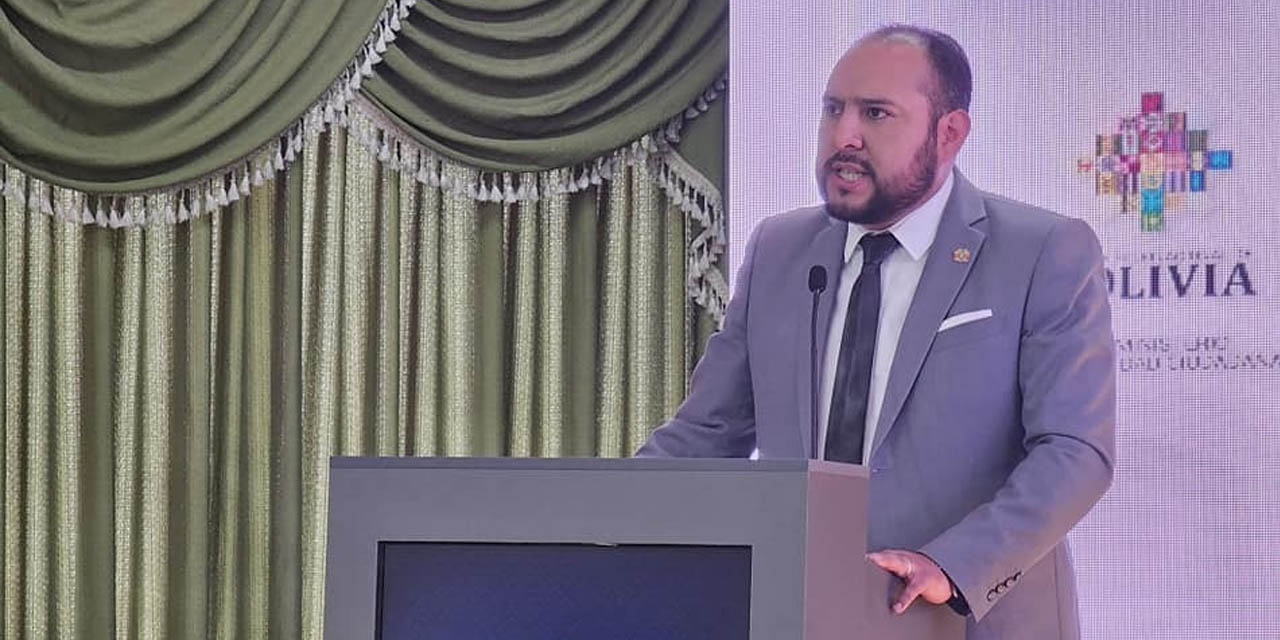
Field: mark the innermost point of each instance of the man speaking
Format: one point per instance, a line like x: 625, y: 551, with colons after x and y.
x: 960, y: 344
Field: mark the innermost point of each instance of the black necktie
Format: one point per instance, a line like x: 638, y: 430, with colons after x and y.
x: 846, y: 424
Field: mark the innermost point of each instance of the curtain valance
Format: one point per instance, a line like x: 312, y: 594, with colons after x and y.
x: 129, y: 97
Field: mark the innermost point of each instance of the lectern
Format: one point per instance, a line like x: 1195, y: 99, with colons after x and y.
x: 597, y: 548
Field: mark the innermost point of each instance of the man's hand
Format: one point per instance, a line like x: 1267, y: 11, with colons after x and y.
x: 923, y: 578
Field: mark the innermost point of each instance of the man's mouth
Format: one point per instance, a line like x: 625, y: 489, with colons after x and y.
x: 848, y: 169
x: 849, y: 175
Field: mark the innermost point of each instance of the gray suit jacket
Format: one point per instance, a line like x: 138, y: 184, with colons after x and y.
x: 995, y: 436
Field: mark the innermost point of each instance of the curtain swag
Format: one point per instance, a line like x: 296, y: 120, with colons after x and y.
x: 510, y: 86
x: 228, y: 184
x: 142, y: 96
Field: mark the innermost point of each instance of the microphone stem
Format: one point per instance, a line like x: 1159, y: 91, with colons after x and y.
x: 813, y: 377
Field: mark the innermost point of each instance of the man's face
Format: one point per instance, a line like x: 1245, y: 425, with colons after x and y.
x: 877, y: 143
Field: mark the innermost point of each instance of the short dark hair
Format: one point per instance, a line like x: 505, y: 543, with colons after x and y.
x: 952, y: 77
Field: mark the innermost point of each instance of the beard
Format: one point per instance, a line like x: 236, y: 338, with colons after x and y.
x: 890, y: 196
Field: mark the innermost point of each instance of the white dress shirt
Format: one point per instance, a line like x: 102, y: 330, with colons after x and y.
x: 899, y: 275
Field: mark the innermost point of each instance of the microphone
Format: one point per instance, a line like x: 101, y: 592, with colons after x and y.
x: 817, y: 284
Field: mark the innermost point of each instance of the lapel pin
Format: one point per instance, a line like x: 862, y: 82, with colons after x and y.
x: 961, y: 255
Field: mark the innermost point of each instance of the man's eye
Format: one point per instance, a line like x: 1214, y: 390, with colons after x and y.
x: 876, y: 113
x: 831, y: 109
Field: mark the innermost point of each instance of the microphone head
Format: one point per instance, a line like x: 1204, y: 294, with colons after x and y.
x: 817, y: 278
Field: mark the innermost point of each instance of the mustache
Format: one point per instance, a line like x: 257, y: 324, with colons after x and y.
x: 845, y: 157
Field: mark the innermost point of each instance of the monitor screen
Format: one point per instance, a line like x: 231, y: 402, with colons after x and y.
x: 564, y: 591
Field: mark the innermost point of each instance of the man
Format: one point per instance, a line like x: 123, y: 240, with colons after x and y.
x: 972, y: 370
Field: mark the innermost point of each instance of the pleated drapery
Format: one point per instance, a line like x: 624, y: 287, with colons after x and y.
x: 173, y: 392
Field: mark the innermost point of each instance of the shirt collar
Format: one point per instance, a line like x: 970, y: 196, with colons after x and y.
x: 915, y: 231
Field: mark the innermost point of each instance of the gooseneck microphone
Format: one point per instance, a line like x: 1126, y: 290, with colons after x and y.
x: 817, y: 284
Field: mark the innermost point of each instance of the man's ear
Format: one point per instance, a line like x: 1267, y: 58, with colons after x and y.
x: 953, y: 130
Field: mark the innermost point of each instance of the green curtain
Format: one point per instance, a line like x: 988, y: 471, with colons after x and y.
x: 524, y: 85
x: 173, y: 392
x: 122, y: 96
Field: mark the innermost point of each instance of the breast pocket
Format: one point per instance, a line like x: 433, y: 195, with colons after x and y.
x: 968, y: 328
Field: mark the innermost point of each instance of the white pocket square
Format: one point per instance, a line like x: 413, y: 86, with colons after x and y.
x: 964, y: 318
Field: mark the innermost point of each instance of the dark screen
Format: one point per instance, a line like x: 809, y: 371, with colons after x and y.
x: 564, y: 591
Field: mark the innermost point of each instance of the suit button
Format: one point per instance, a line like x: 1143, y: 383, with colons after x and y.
x: 991, y: 596
x: 1002, y: 588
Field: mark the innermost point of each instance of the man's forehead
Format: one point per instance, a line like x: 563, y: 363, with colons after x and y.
x: 883, y: 68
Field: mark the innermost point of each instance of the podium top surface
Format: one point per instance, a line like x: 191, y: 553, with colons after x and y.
x: 721, y: 465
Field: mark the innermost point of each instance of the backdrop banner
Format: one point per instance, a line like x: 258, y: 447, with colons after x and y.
x: 1155, y: 124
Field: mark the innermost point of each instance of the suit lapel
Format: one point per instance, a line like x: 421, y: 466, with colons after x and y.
x: 944, y: 274
x: 827, y: 249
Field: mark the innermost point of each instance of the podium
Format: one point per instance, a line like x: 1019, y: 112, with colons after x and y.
x: 605, y: 548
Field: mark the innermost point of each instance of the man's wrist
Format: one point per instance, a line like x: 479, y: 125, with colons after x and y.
x: 957, y: 601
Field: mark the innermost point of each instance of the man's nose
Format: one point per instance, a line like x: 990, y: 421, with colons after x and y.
x: 848, y: 132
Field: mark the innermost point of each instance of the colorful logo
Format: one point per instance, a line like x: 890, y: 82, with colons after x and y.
x: 1152, y: 161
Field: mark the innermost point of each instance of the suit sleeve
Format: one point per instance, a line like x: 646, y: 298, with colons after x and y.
x: 1067, y: 379
x: 717, y: 419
